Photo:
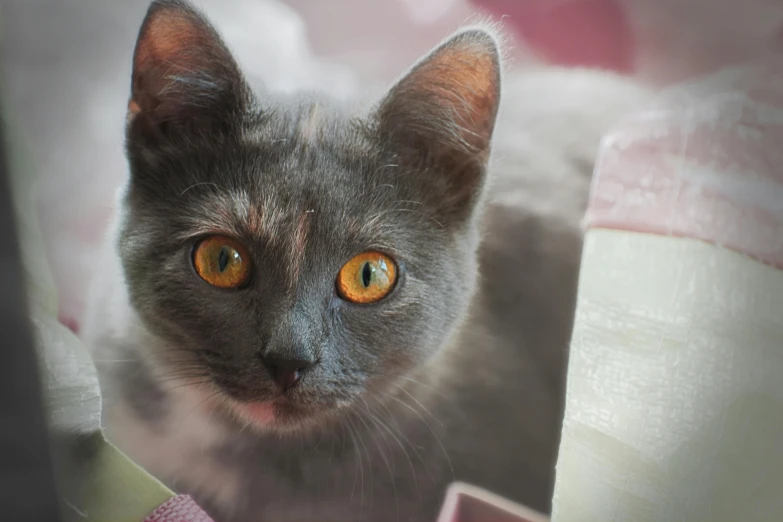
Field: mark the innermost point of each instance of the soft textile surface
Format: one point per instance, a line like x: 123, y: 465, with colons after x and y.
x: 594, y: 33
x: 675, y: 405
x: 466, y: 503
x: 703, y: 163
x: 664, y: 41
x: 181, y: 508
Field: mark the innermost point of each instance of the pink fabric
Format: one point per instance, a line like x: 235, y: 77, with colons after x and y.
x: 181, y: 508
x: 663, y: 41
x: 705, y: 163
x: 467, y: 503
x: 69, y: 322
x: 592, y: 33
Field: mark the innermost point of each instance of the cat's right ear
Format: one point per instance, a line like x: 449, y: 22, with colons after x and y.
x: 184, y: 76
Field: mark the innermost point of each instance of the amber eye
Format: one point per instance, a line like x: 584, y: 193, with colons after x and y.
x: 222, y: 262
x: 367, y: 278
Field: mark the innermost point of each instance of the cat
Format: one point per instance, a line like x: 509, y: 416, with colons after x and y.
x: 310, y: 310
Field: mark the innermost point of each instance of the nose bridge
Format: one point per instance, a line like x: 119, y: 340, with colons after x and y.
x: 298, y: 231
x: 292, y: 336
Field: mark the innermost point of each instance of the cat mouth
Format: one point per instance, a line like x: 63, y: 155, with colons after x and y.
x: 262, y: 412
x: 280, y: 411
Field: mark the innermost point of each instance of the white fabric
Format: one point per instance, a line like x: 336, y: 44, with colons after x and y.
x: 675, y: 401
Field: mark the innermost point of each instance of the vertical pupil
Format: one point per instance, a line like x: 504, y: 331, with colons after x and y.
x: 366, y: 274
x: 223, y: 258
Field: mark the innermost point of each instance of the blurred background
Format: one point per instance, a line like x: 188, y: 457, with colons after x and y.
x: 67, y: 70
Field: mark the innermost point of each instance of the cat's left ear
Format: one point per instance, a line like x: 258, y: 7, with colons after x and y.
x: 442, y: 113
x: 183, y: 73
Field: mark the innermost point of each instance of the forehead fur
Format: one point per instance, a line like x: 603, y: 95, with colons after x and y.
x: 303, y: 176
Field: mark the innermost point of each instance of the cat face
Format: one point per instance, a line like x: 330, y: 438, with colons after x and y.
x: 300, y: 256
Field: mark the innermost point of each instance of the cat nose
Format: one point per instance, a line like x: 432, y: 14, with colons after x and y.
x: 286, y: 372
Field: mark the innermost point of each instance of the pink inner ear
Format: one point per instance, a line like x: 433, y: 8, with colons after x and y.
x: 181, y: 68
x: 457, y: 84
x: 167, y: 35
x: 466, y: 79
x: 175, y: 42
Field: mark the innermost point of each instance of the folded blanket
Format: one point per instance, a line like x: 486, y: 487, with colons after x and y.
x: 674, y: 404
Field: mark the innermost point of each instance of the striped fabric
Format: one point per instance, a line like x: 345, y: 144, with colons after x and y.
x: 181, y: 508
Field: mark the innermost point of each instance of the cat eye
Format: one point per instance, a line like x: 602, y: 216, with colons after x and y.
x: 367, y: 278
x: 222, y: 262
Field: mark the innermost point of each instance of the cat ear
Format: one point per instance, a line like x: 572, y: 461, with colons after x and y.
x: 183, y: 74
x: 443, y: 110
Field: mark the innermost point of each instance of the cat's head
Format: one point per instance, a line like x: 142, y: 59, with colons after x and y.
x: 302, y: 257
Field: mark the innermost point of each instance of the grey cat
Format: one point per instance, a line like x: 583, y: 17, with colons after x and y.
x: 317, y: 312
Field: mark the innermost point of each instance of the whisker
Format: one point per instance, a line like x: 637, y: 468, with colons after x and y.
x: 435, y: 435
x: 402, y: 447
x: 389, y: 465
x: 369, y: 461
x: 208, y: 397
x: 201, y: 184
x: 406, y: 392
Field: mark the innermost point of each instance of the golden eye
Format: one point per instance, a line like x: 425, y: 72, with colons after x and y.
x: 222, y: 262
x: 367, y: 278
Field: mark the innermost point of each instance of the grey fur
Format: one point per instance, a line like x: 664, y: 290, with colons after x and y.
x: 458, y: 374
